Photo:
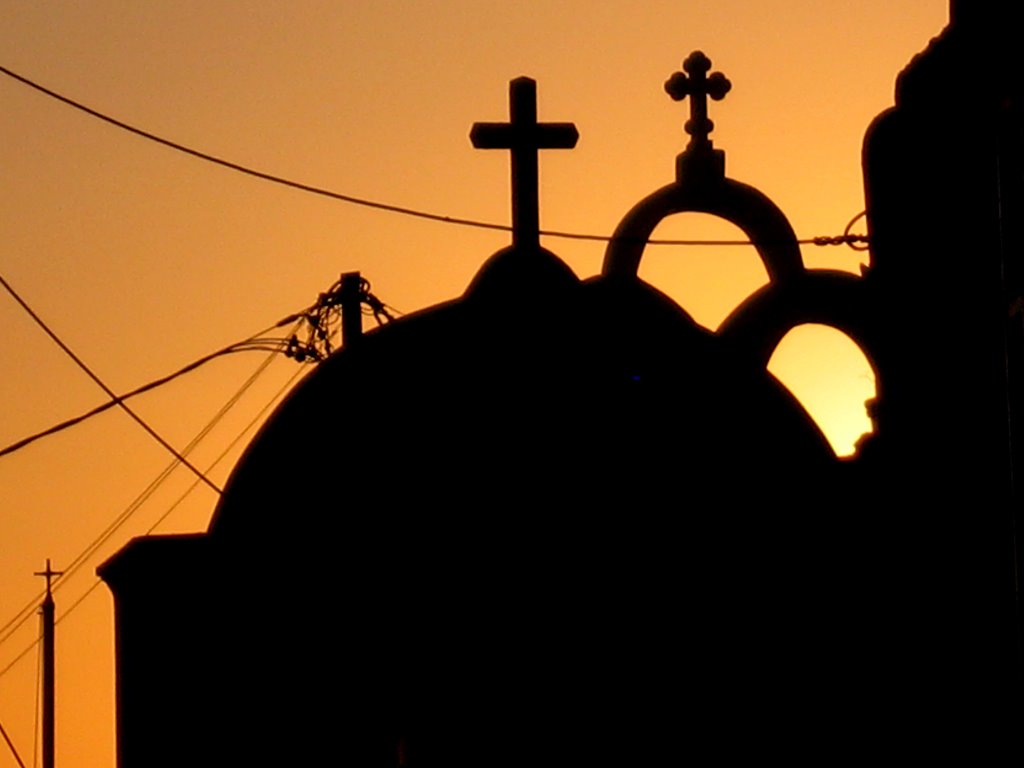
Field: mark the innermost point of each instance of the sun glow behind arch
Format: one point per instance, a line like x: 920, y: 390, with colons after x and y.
x: 831, y: 377
x: 823, y: 368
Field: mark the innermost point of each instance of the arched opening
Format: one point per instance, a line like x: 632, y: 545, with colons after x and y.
x: 708, y: 281
x: 831, y: 377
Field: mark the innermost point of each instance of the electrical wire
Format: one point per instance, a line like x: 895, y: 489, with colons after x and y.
x: 254, y: 342
x: 110, y: 393
x: 322, y: 317
x: 58, y: 620
x: 20, y: 617
x: 20, y: 656
x: 10, y: 744
x: 402, y: 210
x: 857, y: 242
x: 255, y: 420
x: 137, y: 503
x: 14, y: 624
x: 132, y: 508
x: 245, y: 430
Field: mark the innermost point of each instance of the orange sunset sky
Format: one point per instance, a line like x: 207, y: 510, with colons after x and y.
x: 143, y: 259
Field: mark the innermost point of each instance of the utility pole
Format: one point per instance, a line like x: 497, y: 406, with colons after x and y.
x: 351, y: 297
x: 47, y: 612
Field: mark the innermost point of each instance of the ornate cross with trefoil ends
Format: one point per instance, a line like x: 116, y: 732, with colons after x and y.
x: 523, y: 135
x: 695, y: 82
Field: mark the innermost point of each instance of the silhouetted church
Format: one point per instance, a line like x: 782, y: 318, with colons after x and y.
x: 600, y: 534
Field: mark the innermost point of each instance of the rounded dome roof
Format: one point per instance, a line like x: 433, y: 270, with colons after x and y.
x: 533, y: 390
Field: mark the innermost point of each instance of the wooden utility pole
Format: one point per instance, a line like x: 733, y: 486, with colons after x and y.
x: 351, y: 308
x: 47, y: 612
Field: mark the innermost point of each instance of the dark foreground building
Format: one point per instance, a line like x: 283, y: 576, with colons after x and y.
x: 600, y: 534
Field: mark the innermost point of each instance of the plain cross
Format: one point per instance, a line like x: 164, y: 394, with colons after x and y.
x: 523, y: 135
x: 49, y: 573
x: 698, y: 86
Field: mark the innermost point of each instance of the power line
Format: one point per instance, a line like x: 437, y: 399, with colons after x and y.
x: 59, y: 619
x: 10, y: 744
x: 20, y: 618
x: 245, y: 430
x: 143, y: 497
x: 245, y: 345
x: 110, y: 393
x: 402, y: 210
x: 323, y: 319
x: 277, y: 395
x: 220, y: 457
x: 856, y: 242
x: 14, y: 624
x: 20, y: 656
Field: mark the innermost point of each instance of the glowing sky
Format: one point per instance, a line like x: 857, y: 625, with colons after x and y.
x: 143, y: 259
